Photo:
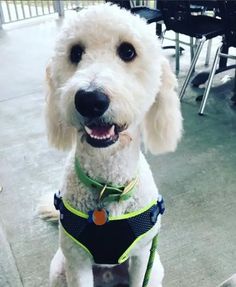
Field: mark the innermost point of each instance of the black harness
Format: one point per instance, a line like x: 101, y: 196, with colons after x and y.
x: 111, y: 242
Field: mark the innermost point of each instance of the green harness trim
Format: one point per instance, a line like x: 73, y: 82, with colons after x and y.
x: 107, y: 192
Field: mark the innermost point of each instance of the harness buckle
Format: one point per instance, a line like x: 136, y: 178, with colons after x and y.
x: 159, y: 208
x: 161, y: 205
x: 57, y: 200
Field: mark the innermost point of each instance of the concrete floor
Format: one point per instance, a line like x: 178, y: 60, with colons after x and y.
x: 198, y: 239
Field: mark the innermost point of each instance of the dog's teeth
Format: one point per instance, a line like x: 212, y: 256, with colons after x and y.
x: 100, y: 134
x: 112, y: 131
x: 88, y: 130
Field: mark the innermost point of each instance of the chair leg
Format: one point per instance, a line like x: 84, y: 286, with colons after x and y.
x: 159, y: 31
x: 162, y: 37
x: 177, y: 52
x: 191, y: 48
x: 209, y: 82
x: 208, y: 54
x: 233, y: 98
x: 193, y: 64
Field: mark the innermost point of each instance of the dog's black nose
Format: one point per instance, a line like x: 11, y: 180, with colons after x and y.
x: 91, y: 104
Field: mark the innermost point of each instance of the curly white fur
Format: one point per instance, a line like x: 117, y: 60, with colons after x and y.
x: 142, y: 96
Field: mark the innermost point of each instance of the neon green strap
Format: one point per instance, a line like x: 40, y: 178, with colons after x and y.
x: 108, y: 193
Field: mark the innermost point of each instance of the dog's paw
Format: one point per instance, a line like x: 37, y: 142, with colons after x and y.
x: 46, y: 210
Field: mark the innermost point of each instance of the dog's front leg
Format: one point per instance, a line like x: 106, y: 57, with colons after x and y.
x: 57, y: 270
x: 79, y: 275
x: 138, y: 265
x: 78, y: 265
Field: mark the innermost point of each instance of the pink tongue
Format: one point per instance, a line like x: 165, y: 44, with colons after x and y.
x: 100, y: 131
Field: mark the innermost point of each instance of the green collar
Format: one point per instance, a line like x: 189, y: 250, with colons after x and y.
x: 107, y: 192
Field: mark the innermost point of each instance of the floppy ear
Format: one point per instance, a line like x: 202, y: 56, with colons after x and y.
x: 59, y: 135
x: 162, y: 127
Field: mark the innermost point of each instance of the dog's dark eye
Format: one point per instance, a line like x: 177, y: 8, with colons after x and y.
x: 126, y: 52
x: 76, y: 53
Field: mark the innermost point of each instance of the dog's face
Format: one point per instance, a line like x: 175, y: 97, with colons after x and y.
x: 105, y: 75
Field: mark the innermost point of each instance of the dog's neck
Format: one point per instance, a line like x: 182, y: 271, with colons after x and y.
x: 117, y: 164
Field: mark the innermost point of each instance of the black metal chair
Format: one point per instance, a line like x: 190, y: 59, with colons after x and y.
x: 149, y: 14
x: 155, y: 16
x: 198, y: 7
x: 178, y: 17
x: 122, y: 3
x: 228, y: 14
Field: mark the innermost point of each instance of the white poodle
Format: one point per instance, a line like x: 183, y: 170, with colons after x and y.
x: 109, y: 88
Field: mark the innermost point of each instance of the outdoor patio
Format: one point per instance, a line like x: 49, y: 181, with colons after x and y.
x: 198, y: 239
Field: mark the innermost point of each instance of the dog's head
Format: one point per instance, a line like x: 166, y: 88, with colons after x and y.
x: 108, y: 76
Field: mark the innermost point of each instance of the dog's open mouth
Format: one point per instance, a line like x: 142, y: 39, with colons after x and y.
x: 102, y: 135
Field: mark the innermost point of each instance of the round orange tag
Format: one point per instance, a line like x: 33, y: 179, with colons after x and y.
x: 99, y: 216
